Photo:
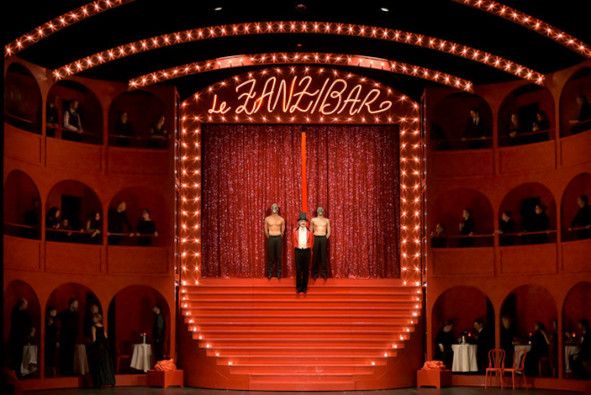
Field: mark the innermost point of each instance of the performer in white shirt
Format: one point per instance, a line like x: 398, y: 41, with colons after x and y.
x: 302, y: 242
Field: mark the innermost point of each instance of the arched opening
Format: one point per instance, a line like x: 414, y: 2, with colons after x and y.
x: 463, y: 315
x: 138, y: 216
x: 529, y: 323
x: 526, y: 116
x: 576, y: 211
x: 575, y: 104
x: 73, y: 214
x: 527, y: 215
x: 22, y: 206
x: 22, y: 323
x: 133, y: 324
x: 462, y: 218
x: 461, y: 121
x: 576, y: 313
x: 136, y: 119
x: 73, y: 306
x: 22, y: 99
x: 74, y: 113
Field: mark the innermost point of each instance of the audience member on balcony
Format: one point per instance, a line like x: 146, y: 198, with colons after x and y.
x: 146, y: 229
x: 515, y: 127
x: 506, y: 228
x: 53, y: 223
x: 69, y: 320
x: 119, y: 225
x: 94, y: 227
x: 539, y: 350
x: 537, y: 223
x: 541, y: 122
x: 51, y: 120
x: 475, y: 129
x: 484, y: 342
x: 583, y: 120
x: 438, y: 238
x: 32, y: 218
x: 466, y: 227
x: 581, y: 223
x: 123, y: 130
x: 443, y: 341
x: 66, y: 231
x: 100, y: 363
x: 158, y: 333
x: 158, y: 134
x: 51, y: 342
x: 72, y: 123
x: 508, y: 335
x: 21, y: 325
x: 581, y: 361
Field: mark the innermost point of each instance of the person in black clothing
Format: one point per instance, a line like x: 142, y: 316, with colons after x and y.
x: 68, y: 336
x: 119, y: 224
x: 51, y: 120
x: 582, y: 219
x: 506, y: 228
x: 91, y: 311
x: 51, y: 342
x: 99, y: 358
x: 515, y: 127
x: 53, y: 222
x: 466, y: 229
x: 581, y: 361
x: 123, y: 130
x: 32, y: 218
x: 438, y: 238
x: 94, y: 227
x: 158, y: 134
x: 474, y: 130
x: 541, y: 122
x: 72, y: 123
x: 539, y: 349
x: 507, y: 339
x: 443, y: 341
x: 583, y: 120
x: 146, y: 229
x: 21, y: 325
x: 484, y: 343
x: 158, y: 333
x: 538, y: 222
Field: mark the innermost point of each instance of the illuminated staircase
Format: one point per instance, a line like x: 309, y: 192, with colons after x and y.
x: 330, y: 339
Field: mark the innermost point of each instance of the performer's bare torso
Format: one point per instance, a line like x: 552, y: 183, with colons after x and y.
x: 320, y: 226
x: 275, y: 225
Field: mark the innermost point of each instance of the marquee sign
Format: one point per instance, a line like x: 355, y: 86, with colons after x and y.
x: 299, y: 95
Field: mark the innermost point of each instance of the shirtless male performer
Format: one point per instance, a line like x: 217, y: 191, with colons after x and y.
x: 320, y: 227
x: 274, y: 229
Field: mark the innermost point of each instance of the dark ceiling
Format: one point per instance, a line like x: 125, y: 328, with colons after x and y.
x: 440, y: 18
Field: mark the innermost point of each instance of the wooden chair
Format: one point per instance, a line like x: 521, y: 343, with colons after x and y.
x: 496, y: 364
x: 519, y: 370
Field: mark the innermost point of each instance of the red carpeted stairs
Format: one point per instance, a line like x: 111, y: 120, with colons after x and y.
x: 336, y: 334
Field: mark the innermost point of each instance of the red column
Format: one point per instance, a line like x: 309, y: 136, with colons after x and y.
x: 304, y: 176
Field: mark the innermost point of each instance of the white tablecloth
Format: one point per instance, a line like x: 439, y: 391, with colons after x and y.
x: 519, y: 350
x: 464, y: 358
x: 141, y: 359
x: 80, y: 360
x: 29, y: 364
x: 569, y: 351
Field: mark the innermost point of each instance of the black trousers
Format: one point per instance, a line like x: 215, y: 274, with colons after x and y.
x: 302, y: 260
x: 274, y: 254
x: 320, y: 257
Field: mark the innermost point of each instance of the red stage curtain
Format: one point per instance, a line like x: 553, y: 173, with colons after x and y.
x: 352, y: 173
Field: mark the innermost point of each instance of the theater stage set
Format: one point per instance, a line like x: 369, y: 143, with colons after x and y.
x: 358, y: 108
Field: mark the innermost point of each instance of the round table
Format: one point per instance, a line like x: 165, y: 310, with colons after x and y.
x: 569, y: 351
x: 29, y: 364
x: 80, y: 360
x: 519, y: 349
x: 141, y: 359
x: 464, y: 358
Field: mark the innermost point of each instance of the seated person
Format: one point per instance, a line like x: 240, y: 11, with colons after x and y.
x: 581, y: 223
x: 438, y: 238
x: 94, y: 226
x: 146, y: 229
x: 583, y: 120
x: 443, y: 342
x: 466, y: 228
x: 581, y: 361
x: 538, y: 222
x: 539, y: 349
x: 506, y: 228
x: 515, y: 126
x: 475, y: 129
x: 119, y: 225
x: 51, y: 120
x: 72, y: 123
x: 541, y: 122
x: 123, y: 130
x: 158, y: 134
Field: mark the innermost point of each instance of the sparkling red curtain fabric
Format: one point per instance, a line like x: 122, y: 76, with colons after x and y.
x: 352, y: 172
